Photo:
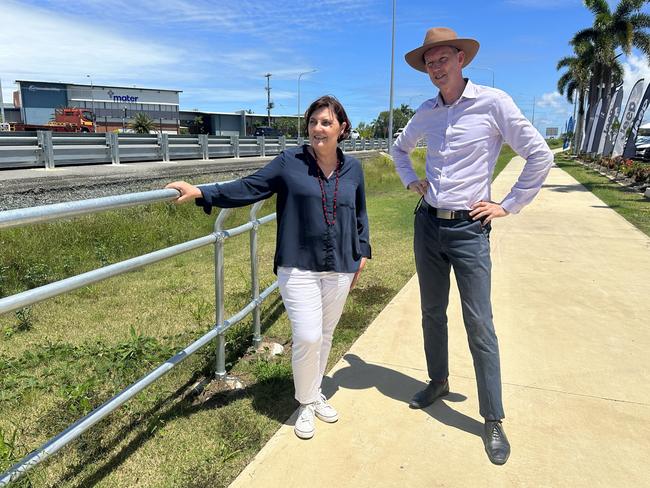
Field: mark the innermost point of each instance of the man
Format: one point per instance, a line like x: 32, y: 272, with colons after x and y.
x: 464, y: 127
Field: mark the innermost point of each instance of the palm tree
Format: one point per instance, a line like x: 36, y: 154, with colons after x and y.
x: 575, y: 81
x: 142, y: 123
x: 623, y: 28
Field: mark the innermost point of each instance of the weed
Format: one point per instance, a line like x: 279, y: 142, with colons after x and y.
x: 101, y: 253
x: 266, y: 369
x: 137, y: 349
x: 9, y: 455
x: 36, y: 274
x: 25, y: 319
x: 203, y: 312
x: 78, y: 397
x: 3, y: 280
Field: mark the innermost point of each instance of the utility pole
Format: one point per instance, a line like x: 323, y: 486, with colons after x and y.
x: 92, y: 96
x: 299, y: 76
x: 533, y: 121
x: 269, y: 104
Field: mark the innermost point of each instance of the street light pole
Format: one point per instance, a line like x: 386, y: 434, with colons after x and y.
x: 392, y: 72
x: 92, y: 103
x: 2, y: 104
x: 303, y: 73
x: 268, y: 98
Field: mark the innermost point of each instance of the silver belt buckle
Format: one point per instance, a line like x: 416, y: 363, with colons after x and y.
x: 441, y: 213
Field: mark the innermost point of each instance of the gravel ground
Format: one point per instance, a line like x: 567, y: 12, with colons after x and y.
x: 58, y: 188
x: 31, y: 192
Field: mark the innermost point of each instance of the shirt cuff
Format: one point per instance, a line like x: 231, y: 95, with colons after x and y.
x: 204, y: 203
x: 366, y: 251
x: 510, y: 205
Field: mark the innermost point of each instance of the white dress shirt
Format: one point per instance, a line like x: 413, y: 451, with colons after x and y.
x: 463, y: 142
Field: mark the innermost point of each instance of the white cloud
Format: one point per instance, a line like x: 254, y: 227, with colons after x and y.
x: 67, y: 48
x: 554, y: 102
x: 216, y: 95
x: 273, y: 21
x: 634, y: 68
x: 123, y: 50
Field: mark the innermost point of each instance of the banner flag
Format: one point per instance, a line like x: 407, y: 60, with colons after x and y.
x: 612, y: 124
x: 586, y: 127
x: 630, y: 148
x: 592, y: 128
x: 600, y: 124
x: 568, y: 130
x: 628, y: 117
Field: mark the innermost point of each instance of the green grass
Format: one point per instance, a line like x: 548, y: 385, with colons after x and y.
x: 504, y: 158
x: 61, y: 358
x: 634, y: 207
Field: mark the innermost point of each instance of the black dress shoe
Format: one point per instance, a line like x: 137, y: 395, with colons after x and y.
x: 426, y: 397
x: 496, y: 442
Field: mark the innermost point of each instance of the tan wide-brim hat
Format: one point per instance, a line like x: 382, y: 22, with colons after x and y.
x: 441, y: 36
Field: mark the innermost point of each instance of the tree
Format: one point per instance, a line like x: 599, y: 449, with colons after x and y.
x: 286, y: 125
x: 142, y: 123
x: 401, y: 116
x: 575, y: 81
x: 197, y: 126
x: 623, y: 28
x: 365, y: 130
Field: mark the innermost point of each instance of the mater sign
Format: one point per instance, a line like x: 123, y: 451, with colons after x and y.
x: 121, y: 98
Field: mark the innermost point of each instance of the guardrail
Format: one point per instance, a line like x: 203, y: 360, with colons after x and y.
x: 46, y: 149
x: 33, y: 215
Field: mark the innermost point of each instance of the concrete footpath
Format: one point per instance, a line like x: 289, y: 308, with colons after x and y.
x: 570, y: 288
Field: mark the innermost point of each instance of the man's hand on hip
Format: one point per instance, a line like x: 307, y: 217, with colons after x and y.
x: 487, y: 211
x: 419, y: 186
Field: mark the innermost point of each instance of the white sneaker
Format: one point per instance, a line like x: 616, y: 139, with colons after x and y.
x: 325, y: 411
x: 304, y: 427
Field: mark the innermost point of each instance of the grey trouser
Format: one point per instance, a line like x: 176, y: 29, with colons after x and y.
x: 464, y: 244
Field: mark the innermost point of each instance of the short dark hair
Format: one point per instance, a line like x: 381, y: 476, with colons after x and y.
x: 339, y: 112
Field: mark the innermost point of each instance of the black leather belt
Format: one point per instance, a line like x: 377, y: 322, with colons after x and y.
x: 444, y: 214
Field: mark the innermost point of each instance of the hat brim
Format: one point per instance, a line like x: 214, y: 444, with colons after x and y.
x: 468, y: 46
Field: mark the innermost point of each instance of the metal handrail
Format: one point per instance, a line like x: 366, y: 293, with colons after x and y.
x: 46, y: 213
x: 21, y: 217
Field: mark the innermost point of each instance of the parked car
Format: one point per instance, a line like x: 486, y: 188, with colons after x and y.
x: 267, y: 132
x: 354, y: 134
x: 642, y: 145
x: 397, y: 134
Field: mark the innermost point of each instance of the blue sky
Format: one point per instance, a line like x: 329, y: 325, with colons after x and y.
x: 217, y: 52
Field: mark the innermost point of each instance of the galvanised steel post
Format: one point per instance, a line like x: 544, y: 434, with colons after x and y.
x: 234, y: 142
x: 261, y: 144
x: 255, y: 281
x: 220, y: 371
x: 164, y: 146
x: 47, y: 148
x: 203, y: 142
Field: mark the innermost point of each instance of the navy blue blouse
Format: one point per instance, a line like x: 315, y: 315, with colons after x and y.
x: 304, y: 238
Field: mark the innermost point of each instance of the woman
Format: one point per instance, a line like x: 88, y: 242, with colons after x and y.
x: 322, y: 241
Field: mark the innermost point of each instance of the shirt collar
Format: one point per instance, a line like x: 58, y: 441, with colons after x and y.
x: 468, y: 92
x: 339, y: 153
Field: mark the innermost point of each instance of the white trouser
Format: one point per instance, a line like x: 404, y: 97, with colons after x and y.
x: 314, y: 302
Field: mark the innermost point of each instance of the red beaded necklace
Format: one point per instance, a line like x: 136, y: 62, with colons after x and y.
x: 324, y: 198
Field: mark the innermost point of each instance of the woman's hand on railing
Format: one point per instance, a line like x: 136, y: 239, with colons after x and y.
x: 188, y: 192
x: 358, y: 273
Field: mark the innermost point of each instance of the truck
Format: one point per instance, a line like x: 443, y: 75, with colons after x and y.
x: 65, y: 120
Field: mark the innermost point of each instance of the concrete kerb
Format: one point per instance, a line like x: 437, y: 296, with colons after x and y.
x: 569, y: 308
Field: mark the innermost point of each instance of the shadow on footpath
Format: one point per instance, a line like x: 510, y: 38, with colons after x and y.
x: 398, y: 386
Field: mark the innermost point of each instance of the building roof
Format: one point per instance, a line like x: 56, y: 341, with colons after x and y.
x: 206, y: 112
x: 94, y: 85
